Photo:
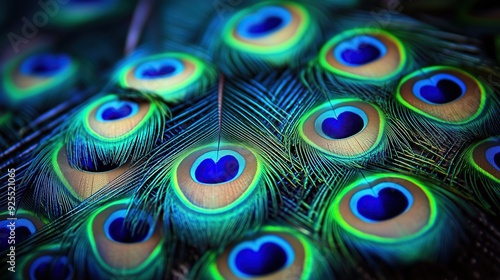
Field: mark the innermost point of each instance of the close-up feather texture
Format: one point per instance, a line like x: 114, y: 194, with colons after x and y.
x: 250, y: 139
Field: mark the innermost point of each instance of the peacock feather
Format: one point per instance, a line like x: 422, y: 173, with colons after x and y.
x: 250, y: 139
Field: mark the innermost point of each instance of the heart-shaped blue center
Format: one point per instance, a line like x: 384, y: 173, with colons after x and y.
x: 359, y: 51
x: 157, y: 69
x: 45, y: 65
x: 439, y: 89
x: 445, y: 91
x: 265, y: 21
x: 388, y: 204
x: 24, y: 228
x: 364, y: 54
x: 162, y: 71
x: 45, y: 268
x: 493, y: 157
x: 268, y: 25
x: 268, y: 258
x: 118, y: 230
x: 346, y: 125
x: 264, y: 256
x: 382, y: 202
x: 113, y: 113
x: 209, y: 172
x: 116, y: 110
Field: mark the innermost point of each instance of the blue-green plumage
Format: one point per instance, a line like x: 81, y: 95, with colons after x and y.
x: 250, y: 139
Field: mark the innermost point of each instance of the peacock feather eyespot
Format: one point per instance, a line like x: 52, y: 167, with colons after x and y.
x: 215, y: 181
x: 113, y: 231
x: 267, y: 28
x: 275, y: 252
x: 364, y: 54
x: 26, y: 78
x: 47, y: 262
x: 479, y: 166
x: 267, y: 35
x: 82, y: 184
x: 343, y: 128
x: 217, y: 189
x: 61, y: 187
x: 486, y: 158
x: 108, y: 231
x: 25, y: 225
x: 393, y: 216
x: 385, y: 208
x: 173, y: 76
x: 45, y: 65
x: 113, y: 119
x: 443, y: 93
x: 105, y: 134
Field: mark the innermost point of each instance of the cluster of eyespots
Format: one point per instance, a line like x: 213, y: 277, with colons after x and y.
x: 273, y: 253
x: 47, y: 262
x: 364, y: 54
x: 29, y: 76
x: 445, y: 94
x: 343, y: 128
x: 173, y: 76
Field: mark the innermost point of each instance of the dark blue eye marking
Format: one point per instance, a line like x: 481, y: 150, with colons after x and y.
x: 156, y: 69
x: 359, y: 51
x: 439, y: 89
x: 264, y: 22
x: 24, y: 229
x: 493, y: 157
x: 45, y: 65
x: 45, y: 268
x: 116, y: 110
x: 217, y: 168
x: 346, y: 125
x: 266, y: 255
x: 381, y: 202
x: 209, y: 172
x: 117, y: 230
x: 340, y: 123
